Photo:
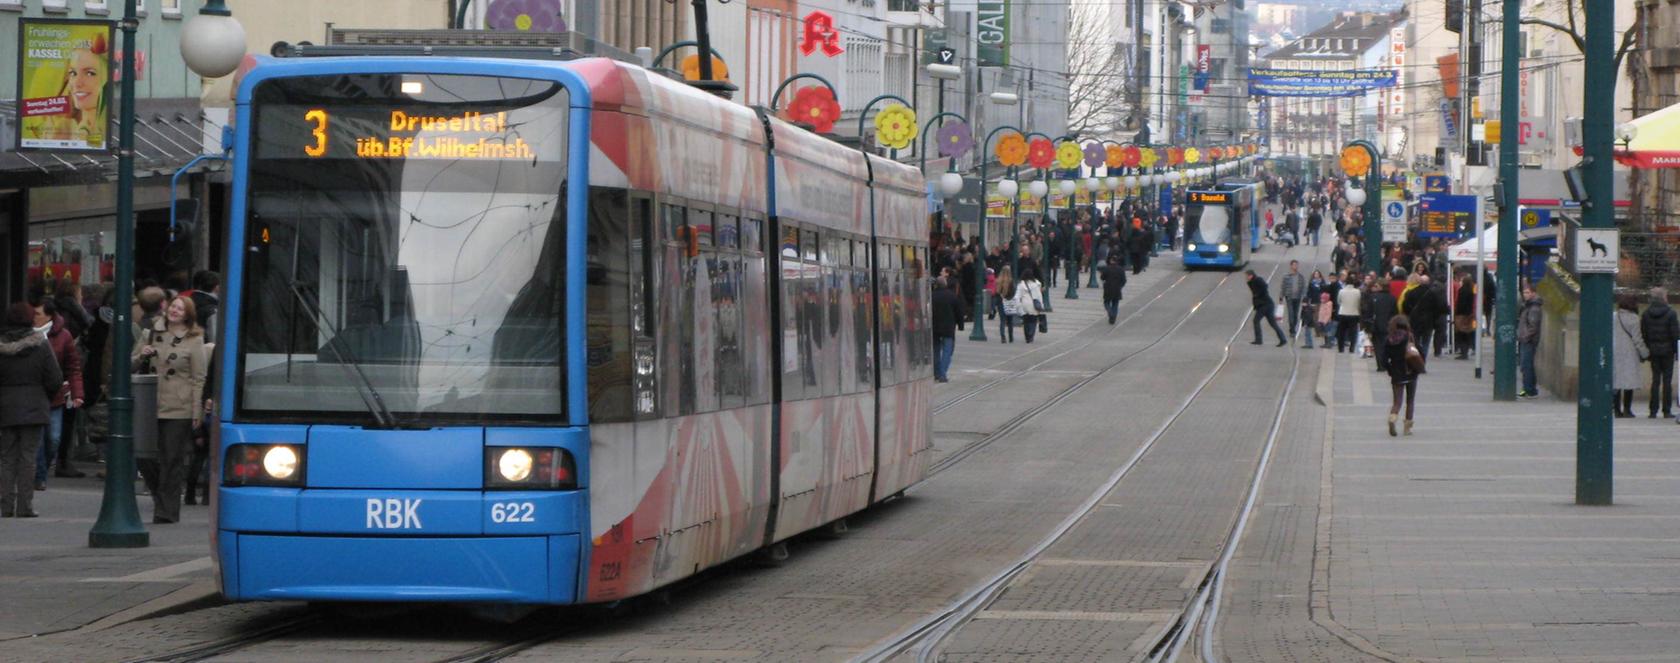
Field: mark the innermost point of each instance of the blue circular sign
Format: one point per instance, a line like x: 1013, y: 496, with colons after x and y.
x: 1396, y: 209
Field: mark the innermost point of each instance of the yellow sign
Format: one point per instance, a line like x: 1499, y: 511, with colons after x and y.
x: 1491, y: 129
x: 64, y: 91
x: 1207, y: 197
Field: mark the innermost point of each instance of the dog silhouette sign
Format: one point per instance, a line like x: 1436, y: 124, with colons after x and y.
x: 1596, y: 250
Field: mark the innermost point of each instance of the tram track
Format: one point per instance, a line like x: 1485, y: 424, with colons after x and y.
x: 1020, y: 419
x: 999, y: 381
x: 924, y: 638
x: 208, y: 650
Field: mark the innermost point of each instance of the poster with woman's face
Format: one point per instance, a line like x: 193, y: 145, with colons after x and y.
x: 64, y: 84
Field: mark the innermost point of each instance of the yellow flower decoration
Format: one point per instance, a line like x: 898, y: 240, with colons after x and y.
x: 895, y: 126
x: 1069, y: 155
x: 1192, y: 155
x: 1148, y: 156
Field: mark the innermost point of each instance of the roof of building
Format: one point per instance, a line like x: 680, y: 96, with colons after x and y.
x: 168, y: 134
x: 1345, y: 38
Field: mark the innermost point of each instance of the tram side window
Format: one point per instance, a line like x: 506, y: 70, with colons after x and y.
x: 726, y: 307
x: 793, y: 341
x: 863, y: 331
x: 883, y: 312
x: 608, y: 289
x: 642, y: 270
x: 754, y: 313
x: 832, y: 291
x: 845, y: 310
x: 699, y: 333
x: 671, y: 313
x: 811, y: 306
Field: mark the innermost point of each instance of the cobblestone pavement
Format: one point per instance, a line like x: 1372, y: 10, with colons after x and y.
x: 1462, y: 542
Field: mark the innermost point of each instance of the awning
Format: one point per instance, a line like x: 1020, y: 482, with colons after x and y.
x: 1656, y: 140
x: 1465, y: 252
x: 168, y: 134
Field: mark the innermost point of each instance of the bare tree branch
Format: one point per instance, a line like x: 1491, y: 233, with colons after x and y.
x: 1580, y: 42
x: 1096, y: 101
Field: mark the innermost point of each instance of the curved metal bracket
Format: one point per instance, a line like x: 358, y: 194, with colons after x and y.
x: 776, y: 99
x: 667, y: 51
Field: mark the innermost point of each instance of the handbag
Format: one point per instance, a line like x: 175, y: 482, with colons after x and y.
x: 1414, y: 358
x: 1464, y: 323
x: 1638, y: 342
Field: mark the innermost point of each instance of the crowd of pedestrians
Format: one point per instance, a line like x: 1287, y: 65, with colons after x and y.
x: 55, y: 353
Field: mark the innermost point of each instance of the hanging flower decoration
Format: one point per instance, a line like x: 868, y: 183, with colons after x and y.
x: 1175, y: 156
x: 1132, y: 156
x: 1011, y: 150
x: 1192, y: 155
x: 895, y: 126
x: 1041, y: 154
x: 1355, y: 161
x: 955, y: 139
x: 1068, y: 155
x: 1116, y: 157
x: 1095, y: 154
x: 1216, y: 153
x: 1149, y: 157
x: 815, y: 107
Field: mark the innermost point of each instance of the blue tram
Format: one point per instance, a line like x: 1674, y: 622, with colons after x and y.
x: 550, y: 332
x: 1221, y: 225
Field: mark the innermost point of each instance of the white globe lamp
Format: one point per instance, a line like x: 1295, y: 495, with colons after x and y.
x: 951, y: 184
x: 1131, y: 181
x: 1068, y: 187
x: 1093, y: 184
x: 1038, y: 188
x: 213, y: 42
x: 1114, y: 183
x: 1008, y: 188
x: 1355, y: 196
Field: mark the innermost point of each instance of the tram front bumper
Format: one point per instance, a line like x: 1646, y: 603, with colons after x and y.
x: 513, y: 569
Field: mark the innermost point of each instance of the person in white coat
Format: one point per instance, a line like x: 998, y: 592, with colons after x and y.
x: 1626, y: 375
x: 1029, y: 295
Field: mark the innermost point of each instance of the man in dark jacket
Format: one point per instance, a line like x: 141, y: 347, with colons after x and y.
x: 68, y: 397
x: 1114, y: 281
x: 1528, y: 342
x: 1263, y: 307
x: 29, y: 378
x: 1660, y: 328
x: 1421, y: 310
x: 1383, y: 308
x: 947, y: 312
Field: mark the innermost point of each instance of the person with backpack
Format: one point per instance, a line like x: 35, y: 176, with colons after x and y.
x: 1404, y: 364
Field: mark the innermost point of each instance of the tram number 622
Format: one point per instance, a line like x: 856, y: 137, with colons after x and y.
x: 513, y: 512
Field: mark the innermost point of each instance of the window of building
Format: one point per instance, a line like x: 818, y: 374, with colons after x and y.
x: 96, y: 8
x: 55, y: 6
x: 171, y: 8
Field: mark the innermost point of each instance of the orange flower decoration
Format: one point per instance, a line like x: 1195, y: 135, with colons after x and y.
x: 1116, y: 157
x: 1175, y: 156
x: 815, y: 107
x: 1216, y: 153
x: 1011, y: 150
x: 1356, y: 162
x: 1041, y: 153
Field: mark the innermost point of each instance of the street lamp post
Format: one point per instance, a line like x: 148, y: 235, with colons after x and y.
x: 1594, y: 435
x: 1041, y: 188
x: 1505, y: 315
x: 212, y: 43
x: 1370, y: 204
x: 1068, y: 244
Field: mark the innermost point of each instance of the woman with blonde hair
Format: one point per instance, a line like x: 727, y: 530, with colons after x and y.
x: 174, y: 349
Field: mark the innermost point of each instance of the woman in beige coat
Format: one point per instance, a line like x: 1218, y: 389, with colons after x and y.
x: 175, y: 350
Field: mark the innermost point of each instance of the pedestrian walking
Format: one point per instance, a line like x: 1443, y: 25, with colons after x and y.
x: 29, y: 379
x: 69, y: 395
x: 1029, y: 298
x: 1263, y: 308
x: 1528, y: 342
x: 1315, y: 221
x: 1660, y: 328
x: 1404, y: 365
x: 1326, y: 318
x: 1009, y: 311
x: 1418, y: 304
x: 1464, y: 317
x: 1291, y: 291
x: 1383, y: 308
x: 1628, y: 350
x: 947, y: 317
x: 174, y: 348
x: 1114, y: 282
x: 1348, y: 301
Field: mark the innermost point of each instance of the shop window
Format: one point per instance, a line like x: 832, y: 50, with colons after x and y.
x: 83, y: 250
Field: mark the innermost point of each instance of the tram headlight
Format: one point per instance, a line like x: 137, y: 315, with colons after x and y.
x: 529, y: 468
x: 263, y: 465
x: 1224, y: 248
x: 1189, y: 247
x: 514, y: 465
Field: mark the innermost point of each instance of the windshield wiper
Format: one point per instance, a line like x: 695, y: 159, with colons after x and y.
x: 370, y: 395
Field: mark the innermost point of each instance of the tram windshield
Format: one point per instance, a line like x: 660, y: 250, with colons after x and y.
x: 1212, y: 225
x: 404, y: 250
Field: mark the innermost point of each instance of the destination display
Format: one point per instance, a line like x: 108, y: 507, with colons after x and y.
x: 369, y: 132
x: 1207, y: 197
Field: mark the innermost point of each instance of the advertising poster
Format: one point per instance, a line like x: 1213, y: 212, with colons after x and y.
x: 64, y: 84
x: 1270, y: 82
